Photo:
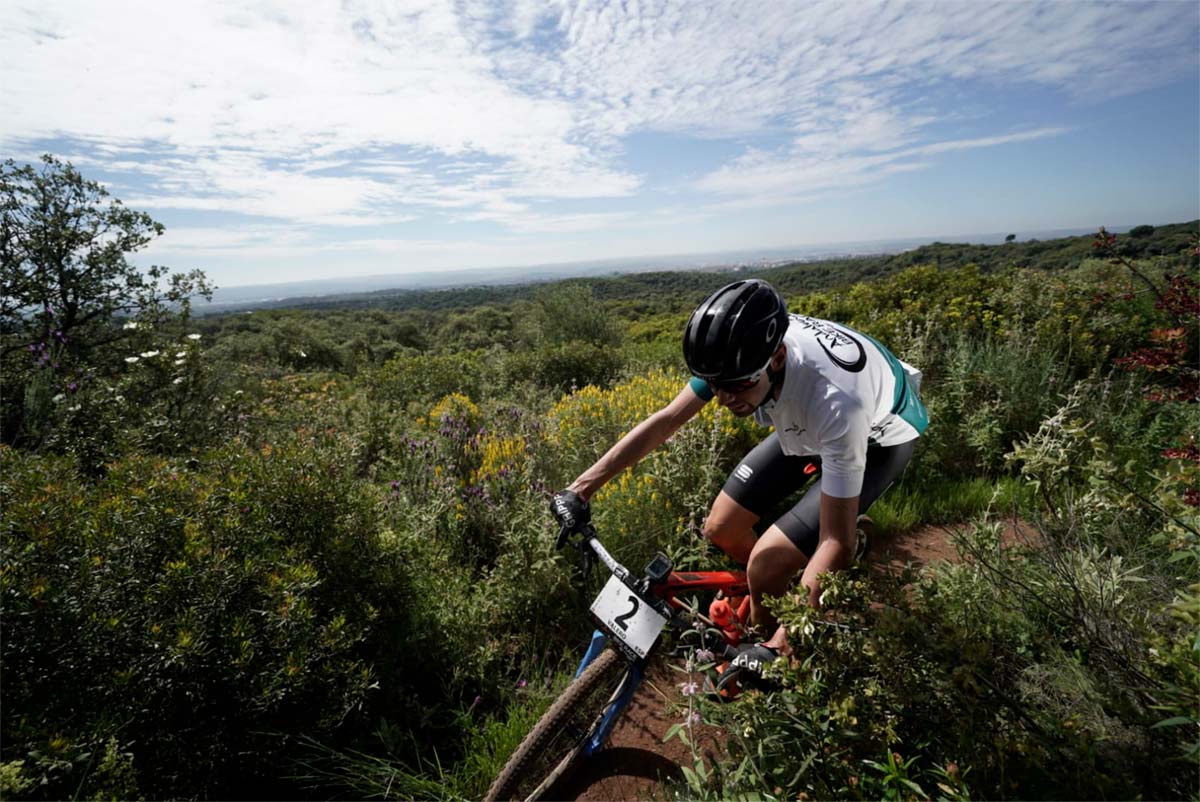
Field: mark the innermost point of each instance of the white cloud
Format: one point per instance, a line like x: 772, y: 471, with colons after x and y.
x: 803, y: 170
x: 372, y: 113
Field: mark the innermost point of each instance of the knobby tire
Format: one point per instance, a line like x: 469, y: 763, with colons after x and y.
x: 550, y: 748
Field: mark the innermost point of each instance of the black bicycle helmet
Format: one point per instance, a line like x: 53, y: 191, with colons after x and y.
x: 733, y: 332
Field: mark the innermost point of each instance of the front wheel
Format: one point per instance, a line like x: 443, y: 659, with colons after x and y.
x: 561, y: 734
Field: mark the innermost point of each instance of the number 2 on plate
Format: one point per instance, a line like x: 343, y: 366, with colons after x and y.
x: 621, y: 619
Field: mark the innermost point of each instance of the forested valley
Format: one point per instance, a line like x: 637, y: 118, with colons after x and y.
x: 306, y: 553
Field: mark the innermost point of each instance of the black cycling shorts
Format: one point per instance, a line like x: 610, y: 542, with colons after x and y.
x: 767, y: 476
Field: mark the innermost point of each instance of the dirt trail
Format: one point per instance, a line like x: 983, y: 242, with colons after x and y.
x: 636, y: 761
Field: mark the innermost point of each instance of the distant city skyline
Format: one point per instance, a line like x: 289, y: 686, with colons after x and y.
x: 281, y: 142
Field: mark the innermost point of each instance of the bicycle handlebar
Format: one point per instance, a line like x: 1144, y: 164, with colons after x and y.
x: 590, y: 540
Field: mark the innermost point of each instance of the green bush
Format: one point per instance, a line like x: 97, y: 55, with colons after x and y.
x: 562, y: 368
x: 1075, y: 652
x: 424, y: 377
x: 893, y: 688
x: 983, y: 395
x: 197, y: 616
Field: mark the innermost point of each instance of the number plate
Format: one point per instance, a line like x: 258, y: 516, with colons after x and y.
x: 627, y: 617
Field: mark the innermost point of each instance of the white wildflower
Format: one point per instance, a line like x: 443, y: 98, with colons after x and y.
x: 179, y: 362
x: 149, y: 354
x: 193, y: 336
x: 131, y: 359
x: 178, y: 381
x: 58, y: 398
x: 179, y: 354
x: 303, y: 355
x: 131, y: 325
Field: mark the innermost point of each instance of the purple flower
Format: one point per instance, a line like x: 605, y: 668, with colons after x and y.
x: 522, y: 683
x: 704, y: 656
x: 689, y: 689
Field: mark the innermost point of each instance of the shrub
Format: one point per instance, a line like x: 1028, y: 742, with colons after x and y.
x: 563, y: 368
x: 1075, y: 654
x: 425, y: 377
x: 669, y: 492
x: 200, y: 617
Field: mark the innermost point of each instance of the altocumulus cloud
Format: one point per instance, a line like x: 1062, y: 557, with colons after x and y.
x: 357, y: 114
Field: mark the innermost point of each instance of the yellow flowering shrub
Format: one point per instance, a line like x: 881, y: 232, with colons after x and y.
x: 645, y: 507
x: 499, y: 456
x: 455, y: 406
x: 595, y: 418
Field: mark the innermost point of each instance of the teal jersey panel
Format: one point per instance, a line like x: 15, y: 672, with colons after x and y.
x: 700, y: 387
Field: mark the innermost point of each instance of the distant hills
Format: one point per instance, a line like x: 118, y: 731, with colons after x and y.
x: 381, y: 290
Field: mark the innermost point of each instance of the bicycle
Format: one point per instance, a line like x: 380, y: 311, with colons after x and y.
x: 632, y: 613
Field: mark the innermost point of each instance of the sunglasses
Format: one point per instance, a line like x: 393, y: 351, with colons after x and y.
x: 736, y: 385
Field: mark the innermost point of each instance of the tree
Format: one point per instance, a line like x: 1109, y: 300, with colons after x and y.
x: 569, y: 312
x: 64, y: 272
x: 1010, y: 238
x: 67, y: 286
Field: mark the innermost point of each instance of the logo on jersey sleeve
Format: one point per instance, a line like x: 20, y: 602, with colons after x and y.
x: 744, y: 472
x: 855, y: 366
x: 830, y: 337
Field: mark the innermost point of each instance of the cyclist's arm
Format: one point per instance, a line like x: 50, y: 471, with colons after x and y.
x: 835, y: 548
x: 640, y: 441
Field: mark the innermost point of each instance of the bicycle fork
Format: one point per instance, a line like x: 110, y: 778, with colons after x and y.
x: 616, y: 703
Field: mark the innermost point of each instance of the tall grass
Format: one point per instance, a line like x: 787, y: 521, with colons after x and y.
x: 407, y: 770
x: 943, y: 501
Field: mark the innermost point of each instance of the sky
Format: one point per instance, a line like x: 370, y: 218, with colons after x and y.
x: 282, y: 141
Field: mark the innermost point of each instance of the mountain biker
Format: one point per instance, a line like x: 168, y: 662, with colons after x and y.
x: 836, y: 399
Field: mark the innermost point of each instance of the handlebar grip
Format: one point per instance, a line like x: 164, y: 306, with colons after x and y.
x: 586, y: 532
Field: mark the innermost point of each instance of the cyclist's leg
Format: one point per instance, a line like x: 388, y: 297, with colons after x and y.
x: 731, y: 527
x: 773, y: 563
x: 761, y: 480
x: 801, y: 525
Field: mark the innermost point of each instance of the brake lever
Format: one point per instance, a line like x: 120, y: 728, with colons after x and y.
x: 587, y: 560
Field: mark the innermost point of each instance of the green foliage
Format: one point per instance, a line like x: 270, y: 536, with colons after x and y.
x: 984, y: 395
x: 923, y: 498
x: 916, y: 678
x: 562, y: 368
x: 197, y: 615
x: 65, y: 279
x: 568, y: 313
x: 322, y: 534
x: 423, y: 377
x: 1075, y: 649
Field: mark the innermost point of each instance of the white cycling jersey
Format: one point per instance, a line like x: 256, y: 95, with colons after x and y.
x: 841, y: 392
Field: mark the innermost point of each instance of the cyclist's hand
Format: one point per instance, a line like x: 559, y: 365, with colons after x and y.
x: 572, y: 513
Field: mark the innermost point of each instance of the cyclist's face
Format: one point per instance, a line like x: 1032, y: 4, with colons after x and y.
x: 742, y: 400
